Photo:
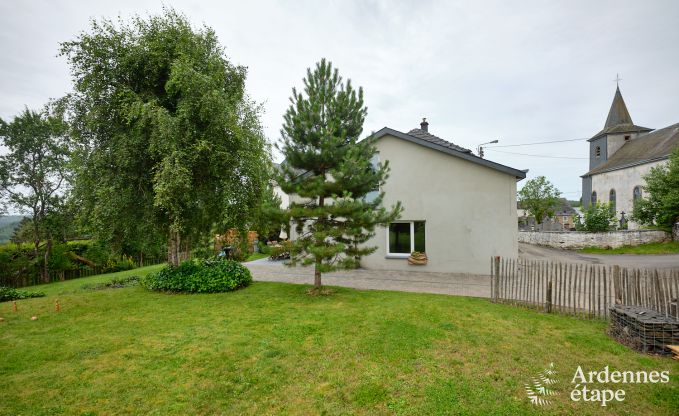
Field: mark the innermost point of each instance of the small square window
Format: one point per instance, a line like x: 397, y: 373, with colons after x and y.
x: 406, y: 237
x: 627, y: 138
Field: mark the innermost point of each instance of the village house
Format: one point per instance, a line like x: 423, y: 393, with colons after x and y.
x: 562, y: 220
x: 620, y: 156
x: 458, y: 208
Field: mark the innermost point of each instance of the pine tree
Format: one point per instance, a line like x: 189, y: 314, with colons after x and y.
x: 332, y: 173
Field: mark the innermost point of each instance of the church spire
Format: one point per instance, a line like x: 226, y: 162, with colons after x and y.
x: 618, y: 113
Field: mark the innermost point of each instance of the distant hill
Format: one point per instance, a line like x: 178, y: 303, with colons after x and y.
x: 8, y: 223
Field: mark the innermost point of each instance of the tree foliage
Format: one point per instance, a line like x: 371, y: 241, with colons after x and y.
x: 661, y: 207
x: 168, y: 144
x: 539, y: 197
x: 33, y: 173
x: 269, y: 218
x: 597, y: 218
x: 331, y: 172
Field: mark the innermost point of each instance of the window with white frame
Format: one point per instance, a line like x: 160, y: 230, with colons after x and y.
x: 404, y: 237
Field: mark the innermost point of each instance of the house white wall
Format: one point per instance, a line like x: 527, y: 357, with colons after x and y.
x: 285, y: 198
x: 469, y: 209
x: 623, y: 181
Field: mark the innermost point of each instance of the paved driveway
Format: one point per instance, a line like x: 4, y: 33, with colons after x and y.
x: 443, y: 283
x: 425, y: 282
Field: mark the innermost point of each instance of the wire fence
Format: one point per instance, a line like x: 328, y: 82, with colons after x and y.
x: 25, y: 279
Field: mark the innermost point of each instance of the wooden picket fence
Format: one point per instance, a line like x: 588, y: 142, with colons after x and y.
x: 585, y: 290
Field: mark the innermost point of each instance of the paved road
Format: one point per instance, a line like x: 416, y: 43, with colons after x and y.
x: 656, y: 261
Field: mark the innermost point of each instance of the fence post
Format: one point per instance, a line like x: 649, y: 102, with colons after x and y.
x: 492, y: 276
x: 549, y: 295
x: 497, y: 277
x: 616, y: 284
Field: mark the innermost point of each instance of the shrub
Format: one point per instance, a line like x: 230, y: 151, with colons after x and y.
x: 9, y: 293
x: 200, y: 276
x: 598, y: 218
x: 114, y: 264
x: 264, y: 248
x: 281, y: 251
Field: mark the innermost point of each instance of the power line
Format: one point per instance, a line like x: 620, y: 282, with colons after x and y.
x: 535, y: 143
x: 548, y: 156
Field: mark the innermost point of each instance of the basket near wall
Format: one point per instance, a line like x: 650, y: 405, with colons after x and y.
x: 417, y: 258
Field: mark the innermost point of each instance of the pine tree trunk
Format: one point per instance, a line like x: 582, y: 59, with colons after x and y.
x: 317, y: 274
x: 319, y: 260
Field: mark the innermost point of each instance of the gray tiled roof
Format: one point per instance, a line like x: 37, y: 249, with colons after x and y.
x: 564, y: 208
x: 421, y: 134
x: 650, y: 147
x: 423, y: 138
x: 621, y: 128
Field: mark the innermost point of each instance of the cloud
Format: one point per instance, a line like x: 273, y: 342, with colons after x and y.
x: 517, y: 71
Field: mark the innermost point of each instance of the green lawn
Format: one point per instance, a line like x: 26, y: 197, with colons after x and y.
x: 272, y: 349
x: 671, y: 247
x: 256, y: 256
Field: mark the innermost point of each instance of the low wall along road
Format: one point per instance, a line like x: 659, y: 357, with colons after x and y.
x: 577, y: 240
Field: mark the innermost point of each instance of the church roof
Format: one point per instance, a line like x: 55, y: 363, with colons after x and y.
x: 651, y: 147
x: 619, y: 120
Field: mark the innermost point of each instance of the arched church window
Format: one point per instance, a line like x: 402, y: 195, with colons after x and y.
x: 593, y: 198
x: 611, y: 200
x: 597, y: 152
x: 636, y: 194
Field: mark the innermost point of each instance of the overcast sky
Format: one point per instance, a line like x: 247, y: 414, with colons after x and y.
x: 516, y: 71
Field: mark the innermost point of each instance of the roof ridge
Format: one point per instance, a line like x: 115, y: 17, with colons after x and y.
x: 425, y: 135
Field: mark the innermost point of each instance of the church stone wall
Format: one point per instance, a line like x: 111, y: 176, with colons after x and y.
x: 623, y: 181
x: 578, y: 240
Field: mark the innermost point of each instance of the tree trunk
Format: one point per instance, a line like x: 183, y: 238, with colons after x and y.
x: 317, y: 273
x: 48, y: 252
x: 319, y: 260
x: 174, y: 249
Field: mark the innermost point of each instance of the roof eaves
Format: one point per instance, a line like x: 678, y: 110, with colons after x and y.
x: 519, y: 174
x: 612, y: 130
x: 625, y: 166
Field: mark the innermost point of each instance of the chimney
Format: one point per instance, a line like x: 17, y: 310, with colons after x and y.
x: 424, y: 125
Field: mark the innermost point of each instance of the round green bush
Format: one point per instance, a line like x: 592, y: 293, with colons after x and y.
x: 200, y: 276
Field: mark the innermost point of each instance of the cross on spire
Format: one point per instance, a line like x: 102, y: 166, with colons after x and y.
x: 617, y: 80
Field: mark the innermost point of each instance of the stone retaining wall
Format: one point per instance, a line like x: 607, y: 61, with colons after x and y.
x: 577, y: 240
x: 675, y: 232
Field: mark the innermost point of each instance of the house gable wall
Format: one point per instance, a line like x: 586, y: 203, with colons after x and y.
x: 469, y: 209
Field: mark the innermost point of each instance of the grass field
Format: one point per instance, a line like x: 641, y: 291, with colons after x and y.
x: 272, y: 349
x: 671, y: 247
x: 256, y: 256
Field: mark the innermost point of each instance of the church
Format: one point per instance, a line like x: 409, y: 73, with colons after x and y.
x: 620, y: 156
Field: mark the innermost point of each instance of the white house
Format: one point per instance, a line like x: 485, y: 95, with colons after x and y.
x: 621, y: 155
x: 457, y: 207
